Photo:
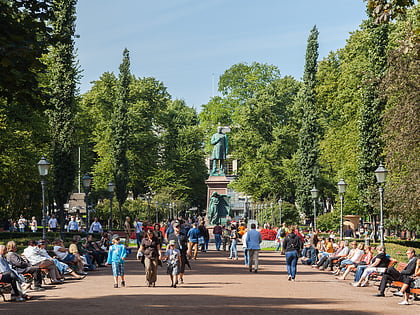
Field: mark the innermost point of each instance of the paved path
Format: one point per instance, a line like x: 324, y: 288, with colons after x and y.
x: 216, y: 285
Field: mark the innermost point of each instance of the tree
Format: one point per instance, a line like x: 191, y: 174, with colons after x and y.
x: 401, y: 124
x: 265, y: 140
x: 182, y: 170
x: 62, y: 84
x: 384, y: 11
x: 120, y: 134
x: 309, y: 134
x: 24, y: 38
x: 370, y: 122
x: 339, y: 78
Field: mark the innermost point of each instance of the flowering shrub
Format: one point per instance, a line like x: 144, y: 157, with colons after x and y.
x: 268, y: 235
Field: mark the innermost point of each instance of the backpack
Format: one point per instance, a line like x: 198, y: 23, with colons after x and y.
x: 282, y: 232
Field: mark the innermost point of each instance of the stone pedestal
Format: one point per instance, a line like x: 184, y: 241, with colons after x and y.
x: 218, y: 184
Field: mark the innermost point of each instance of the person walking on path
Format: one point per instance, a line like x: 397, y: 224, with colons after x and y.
x: 96, y: 226
x: 193, y: 235
x: 127, y: 230
x: 233, y: 242
x: 225, y: 238
x: 150, y: 249
x: 281, y: 234
x: 173, y: 258
x: 116, y: 257
x: 246, y: 250
x: 217, y: 232
x: 292, y: 244
x: 253, y: 240
x: 138, y: 225
x: 181, y: 243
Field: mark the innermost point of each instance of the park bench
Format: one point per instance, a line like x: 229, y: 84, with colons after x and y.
x: 377, y: 276
x: 5, y: 288
x: 399, y: 284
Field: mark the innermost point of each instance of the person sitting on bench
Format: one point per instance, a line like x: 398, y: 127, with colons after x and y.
x: 392, y: 274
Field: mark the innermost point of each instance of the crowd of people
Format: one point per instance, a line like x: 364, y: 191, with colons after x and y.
x: 341, y: 260
x: 178, y: 241
x: 27, y: 271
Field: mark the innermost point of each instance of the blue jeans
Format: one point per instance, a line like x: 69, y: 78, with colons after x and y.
x: 218, y: 240
x: 359, y: 272
x: 233, y: 250
x: 246, y: 256
x: 138, y: 239
x: 291, y: 262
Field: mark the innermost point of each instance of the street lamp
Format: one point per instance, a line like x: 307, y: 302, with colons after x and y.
x: 314, y: 195
x: 111, y: 187
x: 87, y: 181
x: 157, y: 211
x: 380, y: 174
x: 43, y: 167
x: 271, y: 218
x: 246, y: 208
x: 341, y: 190
x: 148, y: 199
x: 280, y: 202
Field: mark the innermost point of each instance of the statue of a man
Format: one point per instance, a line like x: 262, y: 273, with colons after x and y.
x: 220, y: 149
x: 218, y: 208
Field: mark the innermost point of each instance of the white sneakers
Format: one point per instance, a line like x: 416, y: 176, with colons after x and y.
x: 404, y: 303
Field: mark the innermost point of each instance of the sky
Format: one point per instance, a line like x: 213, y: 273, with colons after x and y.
x: 188, y: 44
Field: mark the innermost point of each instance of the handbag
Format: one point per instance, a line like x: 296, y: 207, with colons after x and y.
x: 201, y: 240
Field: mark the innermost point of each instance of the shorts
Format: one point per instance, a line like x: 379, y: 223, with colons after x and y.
x: 117, y: 269
x: 173, y: 270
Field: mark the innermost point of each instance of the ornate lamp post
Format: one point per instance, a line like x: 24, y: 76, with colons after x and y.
x: 314, y: 195
x: 148, y: 197
x: 111, y: 187
x: 271, y: 218
x: 280, y: 202
x: 87, y: 181
x: 380, y: 174
x: 157, y: 211
x: 341, y: 190
x: 43, y: 167
x: 246, y: 208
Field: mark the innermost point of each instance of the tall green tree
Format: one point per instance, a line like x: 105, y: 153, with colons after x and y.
x: 24, y: 38
x: 309, y: 134
x: 120, y: 133
x: 401, y: 124
x: 370, y: 119
x: 181, y: 170
x: 62, y: 84
x: 265, y: 141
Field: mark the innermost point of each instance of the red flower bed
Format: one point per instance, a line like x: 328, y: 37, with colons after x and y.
x: 268, y: 235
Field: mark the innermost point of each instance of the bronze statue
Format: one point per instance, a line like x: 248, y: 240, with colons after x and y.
x: 218, y: 208
x: 220, y: 149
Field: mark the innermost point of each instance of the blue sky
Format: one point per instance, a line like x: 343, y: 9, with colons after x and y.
x: 188, y: 44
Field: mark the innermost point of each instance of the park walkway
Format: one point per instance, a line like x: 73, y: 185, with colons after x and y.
x: 215, y: 285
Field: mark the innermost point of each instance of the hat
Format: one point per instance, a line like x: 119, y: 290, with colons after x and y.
x: 115, y: 237
x: 176, y: 224
x: 171, y: 242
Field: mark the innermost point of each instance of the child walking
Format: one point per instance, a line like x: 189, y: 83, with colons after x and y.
x: 116, y: 257
x: 173, y: 259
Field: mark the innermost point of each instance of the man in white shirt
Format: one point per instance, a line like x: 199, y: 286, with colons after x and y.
x: 96, y: 226
x: 253, y: 240
x: 73, y: 226
x: 138, y: 225
x: 52, y: 223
